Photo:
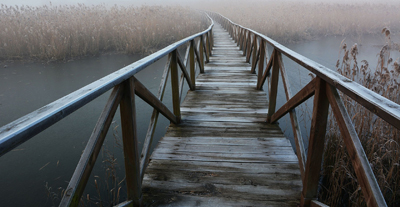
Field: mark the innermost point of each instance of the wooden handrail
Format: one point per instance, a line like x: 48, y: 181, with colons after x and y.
x: 324, y: 88
x: 125, y: 87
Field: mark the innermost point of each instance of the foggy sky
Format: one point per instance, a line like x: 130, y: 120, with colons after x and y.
x: 158, y: 2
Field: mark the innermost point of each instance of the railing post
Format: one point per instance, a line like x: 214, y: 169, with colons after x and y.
x: 175, y: 86
x: 253, y: 61
x: 207, y: 47
x: 201, y: 54
x: 316, y: 143
x: 248, y: 50
x: 239, y: 36
x: 192, y: 64
x: 261, y: 64
x: 273, y: 85
x: 212, y: 38
x: 244, y: 41
x: 130, y: 143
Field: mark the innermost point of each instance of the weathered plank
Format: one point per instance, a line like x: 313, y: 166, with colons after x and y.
x: 223, y: 153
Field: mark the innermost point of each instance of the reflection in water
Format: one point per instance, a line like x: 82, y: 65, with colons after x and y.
x: 51, y: 157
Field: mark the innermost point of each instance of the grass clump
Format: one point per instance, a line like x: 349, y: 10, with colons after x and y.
x: 379, y: 139
x: 70, y: 31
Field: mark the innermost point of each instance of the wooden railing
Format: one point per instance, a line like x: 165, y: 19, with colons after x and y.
x: 124, y: 87
x: 324, y: 87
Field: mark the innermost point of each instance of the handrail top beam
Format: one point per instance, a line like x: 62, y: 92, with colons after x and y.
x: 351, y: 88
x: 20, y: 130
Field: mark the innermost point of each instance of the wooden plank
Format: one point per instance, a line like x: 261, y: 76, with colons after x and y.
x: 227, y: 167
x: 365, y: 175
x: 227, y: 157
x: 226, y: 141
x: 220, y: 116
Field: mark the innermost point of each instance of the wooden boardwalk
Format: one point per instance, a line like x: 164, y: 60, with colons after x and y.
x: 223, y: 153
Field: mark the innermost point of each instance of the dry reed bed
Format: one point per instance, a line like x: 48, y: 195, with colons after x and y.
x: 292, y: 21
x: 379, y: 139
x: 65, y: 32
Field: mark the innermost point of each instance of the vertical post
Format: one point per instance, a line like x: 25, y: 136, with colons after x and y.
x: 253, y: 61
x: 249, y: 46
x: 316, y: 143
x: 244, y: 41
x: 192, y: 64
x: 209, y: 43
x: 273, y: 88
x: 212, y: 38
x: 175, y: 86
x: 261, y: 64
x: 130, y: 143
x: 239, y: 37
x: 207, y: 48
x: 201, y: 55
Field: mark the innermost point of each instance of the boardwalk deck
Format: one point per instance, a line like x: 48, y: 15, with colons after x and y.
x: 223, y: 153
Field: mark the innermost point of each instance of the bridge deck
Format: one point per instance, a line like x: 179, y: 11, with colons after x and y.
x: 223, y: 153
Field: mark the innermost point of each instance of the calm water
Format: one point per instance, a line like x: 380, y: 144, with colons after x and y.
x: 51, y: 157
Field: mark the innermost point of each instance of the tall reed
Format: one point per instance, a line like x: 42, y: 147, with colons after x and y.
x: 379, y: 139
x: 70, y: 31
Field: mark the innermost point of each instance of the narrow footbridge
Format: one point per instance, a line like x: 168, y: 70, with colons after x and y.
x: 223, y: 153
x: 223, y: 146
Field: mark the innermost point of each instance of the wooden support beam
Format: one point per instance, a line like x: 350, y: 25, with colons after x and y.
x: 196, y: 51
x: 209, y: 47
x: 130, y: 143
x: 290, y: 105
x: 144, y: 157
x: 181, y: 82
x: 365, y: 175
x: 192, y: 64
x: 255, y: 54
x: 298, y: 99
x: 77, y: 184
x: 184, y: 72
x: 261, y: 64
x: 267, y: 70
x: 201, y: 51
x: 175, y: 86
x: 273, y: 87
x: 153, y: 101
x: 206, y: 48
x: 316, y: 143
x: 249, y: 49
x: 246, y: 44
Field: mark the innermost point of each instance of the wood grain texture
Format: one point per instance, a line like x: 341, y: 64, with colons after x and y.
x: 223, y: 153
